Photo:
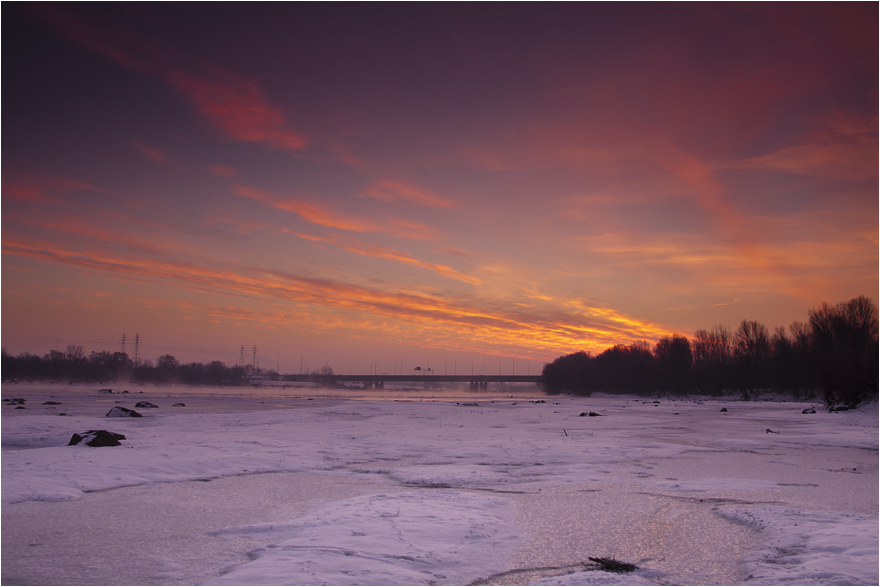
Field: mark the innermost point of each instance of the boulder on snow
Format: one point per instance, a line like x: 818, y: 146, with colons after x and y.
x: 590, y: 414
x: 14, y: 401
x: 120, y: 412
x: 178, y: 405
x: 145, y: 405
x: 107, y: 390
x: 51, y: 403
x: 96, y: 438
x: 808, y: 411
x: 723, y: 409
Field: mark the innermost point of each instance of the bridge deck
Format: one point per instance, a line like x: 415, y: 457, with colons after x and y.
x: 417, y: 378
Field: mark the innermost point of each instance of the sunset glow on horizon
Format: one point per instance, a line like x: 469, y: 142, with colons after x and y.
x: 474, y: 187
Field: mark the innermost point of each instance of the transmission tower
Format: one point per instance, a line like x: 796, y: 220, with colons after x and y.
x: 255, y: 358
x: 241, y: 360
x: 123, y: 343
x: 137, y: 342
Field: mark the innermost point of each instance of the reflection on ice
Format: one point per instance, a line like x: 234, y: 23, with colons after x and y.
x: 432, y: 536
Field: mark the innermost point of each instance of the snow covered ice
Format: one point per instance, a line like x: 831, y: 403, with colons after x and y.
x: 306, y: 487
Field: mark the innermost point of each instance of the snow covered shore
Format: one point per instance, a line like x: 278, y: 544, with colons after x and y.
x: 307, y: 487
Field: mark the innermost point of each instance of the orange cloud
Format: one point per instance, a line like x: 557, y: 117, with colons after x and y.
x: 43, y: 190
x: 224, y: 171
x: 436, y: 320
x: 836, y: 157
x: 390, y: 191
x: 237, y: 106
x: 232, y: 104
x: 378, y: 251
x: 323, y: 216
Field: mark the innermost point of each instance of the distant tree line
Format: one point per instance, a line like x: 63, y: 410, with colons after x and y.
x: 102, y: 367
x: 833, y: 356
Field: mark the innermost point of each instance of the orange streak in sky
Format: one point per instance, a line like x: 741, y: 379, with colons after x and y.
x: 323, y: 216
x: 390, y: 191
x: 378, y: 251
x: 43, y: 190
x: 427, y: 319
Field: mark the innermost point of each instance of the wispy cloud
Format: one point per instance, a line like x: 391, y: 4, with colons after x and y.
x: 237, y: 106
x: 390, y: 191
x: 359, y: 247
x: 224, y: 171
x: 34, y: 189
x: 329, y: 218
x: 453, y: 322
x: 151, y: 152
x: 846, y: 153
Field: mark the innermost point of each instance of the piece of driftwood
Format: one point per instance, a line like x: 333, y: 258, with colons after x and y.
x: 614, y: 566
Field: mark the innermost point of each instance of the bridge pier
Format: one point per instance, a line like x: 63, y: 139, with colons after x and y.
x: 479, y: 385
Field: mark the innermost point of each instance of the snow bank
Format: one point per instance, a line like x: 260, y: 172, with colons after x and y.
x: 811, y: 547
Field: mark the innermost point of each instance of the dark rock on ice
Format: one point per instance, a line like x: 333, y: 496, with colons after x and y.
x: 14, y: 401
x: 808, y: 411
x: 178, y: 405
x: 51, y: 403
x: 19, y: 407
x: 119, y: 412
x: 590, y: 414
x: 145, y: 405
x: 107, y: 390
x: 96, y: 438
x: 723, y: 409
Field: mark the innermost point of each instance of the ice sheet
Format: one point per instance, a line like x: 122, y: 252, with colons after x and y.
x: 460, y: 467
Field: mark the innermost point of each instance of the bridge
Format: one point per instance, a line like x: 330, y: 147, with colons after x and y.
x: 477, y: 382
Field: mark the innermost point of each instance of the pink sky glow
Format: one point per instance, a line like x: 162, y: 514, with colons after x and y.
x: 472, y: 186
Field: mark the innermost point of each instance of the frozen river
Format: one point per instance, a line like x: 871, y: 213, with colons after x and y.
x: 306, y: 486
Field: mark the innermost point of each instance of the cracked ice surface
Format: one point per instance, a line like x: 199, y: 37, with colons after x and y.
x: 433, y: 536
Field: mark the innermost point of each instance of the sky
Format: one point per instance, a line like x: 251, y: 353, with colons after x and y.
x: 468, y: 187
